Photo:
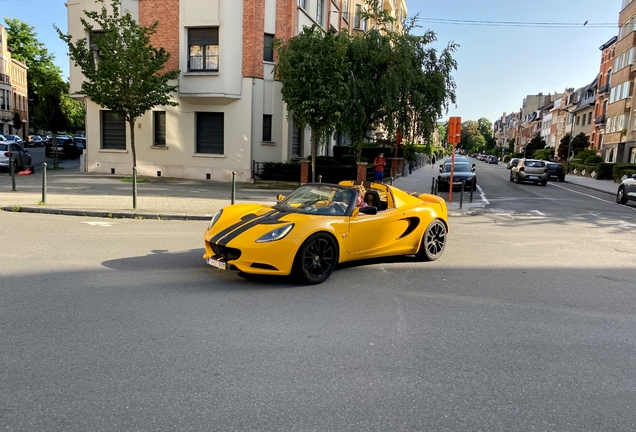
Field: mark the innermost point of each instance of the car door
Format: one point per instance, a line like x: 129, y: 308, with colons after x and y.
x: 630, y: 188
x: 18, y: 155
x: 374, y: 235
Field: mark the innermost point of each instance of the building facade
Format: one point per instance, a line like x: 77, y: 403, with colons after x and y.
x: 230, y: 111
x: 603, y: 92
x: 619, y: 139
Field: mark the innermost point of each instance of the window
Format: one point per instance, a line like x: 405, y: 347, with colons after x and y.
x: 589, y: 119
x: 302, y: 4
x: 578, y: 119
x: 160, y: 128
x: 267, y: 127
x: 113, y: 131
x: 203, y: 49
x: 577, y: 122
x: 269, y: 50
x: 1, y: 101
x: 210, y: 133
x: 345, y: 10
x: 356, y: 21
x: 93, y: 37
x: 319, y: 11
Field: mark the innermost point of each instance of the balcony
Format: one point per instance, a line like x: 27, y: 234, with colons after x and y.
x: 5, y: 79
x: 604, y: 89
x: 600, y: 120
x: 628, y: 104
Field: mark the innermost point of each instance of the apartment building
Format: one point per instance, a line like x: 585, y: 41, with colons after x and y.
x: 581, y: 107
x: 230, y: 110
x: 603, y: 92
x: 13, y: 91
x: 619, y: 138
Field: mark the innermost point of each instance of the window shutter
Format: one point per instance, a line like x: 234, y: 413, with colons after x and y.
x: 113, y: 131
x: 210, y: 133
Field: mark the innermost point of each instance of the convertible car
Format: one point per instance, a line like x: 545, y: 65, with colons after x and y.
x: 317, y: 226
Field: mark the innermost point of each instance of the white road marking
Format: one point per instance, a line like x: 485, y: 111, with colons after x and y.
x: 483, y: 196
x: 101, y: 224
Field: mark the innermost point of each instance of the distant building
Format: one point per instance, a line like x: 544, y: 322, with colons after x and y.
x: 603, y: 92
x: 13, y: 91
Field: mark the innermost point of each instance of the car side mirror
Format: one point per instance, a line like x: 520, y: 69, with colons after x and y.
x: 370, y: 210
x: 634, y: 176
x: 280, y: 197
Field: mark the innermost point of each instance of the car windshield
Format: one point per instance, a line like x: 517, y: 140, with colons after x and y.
x: 458, y: 168
x: 318, y: 199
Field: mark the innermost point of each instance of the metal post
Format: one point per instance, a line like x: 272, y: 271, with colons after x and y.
x: 436, y: 183
x: 433, y: 186
x: 233, y: 186
x: 12, y: 171
x: 44, y: 183
x: 472, y: 188
x: 461, y: 197
x: 319, y: 178
x: 134, y: 187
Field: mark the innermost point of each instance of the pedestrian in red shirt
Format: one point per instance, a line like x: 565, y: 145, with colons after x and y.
x: 379, y: 164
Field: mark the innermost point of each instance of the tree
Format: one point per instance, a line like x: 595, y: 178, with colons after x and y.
x: 562, y: 151
x: 580, y: 143
x: 470, y: 128
x: 46, y: 88
x: 128, y: 77
x: 441, y: 132
x: 476, y: 143
x: 313, y: 69
x: 511, y: 145
x: 485, y: 127
x: 537, y: 143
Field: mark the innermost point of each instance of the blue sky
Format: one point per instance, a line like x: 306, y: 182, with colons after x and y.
x: 498, y: 66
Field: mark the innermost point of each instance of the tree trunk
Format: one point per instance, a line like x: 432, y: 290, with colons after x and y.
x: 131, y: 126
x: 314, y: 145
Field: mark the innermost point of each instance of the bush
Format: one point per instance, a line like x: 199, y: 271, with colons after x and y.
x: 326, y: 161
x: 281, y: 171
x: 626, y: 173
x: 604, y: 171
x: 584, y: 154
x: 544, y: 154
x: 593, y: 160
x: 620, y: 170
x: 348, y: 160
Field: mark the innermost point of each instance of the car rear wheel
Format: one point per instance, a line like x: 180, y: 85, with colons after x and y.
x: 317, y: 258
x: 544, y: 182
x: 621, y: 198
x: 517, y: 180
x: 433, y: 241
x: 562, y: 178
x: 511, y: 179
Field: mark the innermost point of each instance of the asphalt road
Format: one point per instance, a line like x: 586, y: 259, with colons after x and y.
x: 527, y: 323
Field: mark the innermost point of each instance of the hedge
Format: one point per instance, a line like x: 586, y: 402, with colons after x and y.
x: 620, y: 170
x: 604, y: 171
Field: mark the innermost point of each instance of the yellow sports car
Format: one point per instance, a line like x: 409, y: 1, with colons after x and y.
x: 319, y: 225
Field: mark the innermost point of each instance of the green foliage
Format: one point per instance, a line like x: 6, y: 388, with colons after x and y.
x: 122, y: 71
x: 17, y: 120
x: 45, y: 85
x: 619, y: 170
x: 580, y: 143
x: 593, y: 159
x: 604, y: 171
x: 537, y: 143
x: 563, y: 147
x: 544, y: 154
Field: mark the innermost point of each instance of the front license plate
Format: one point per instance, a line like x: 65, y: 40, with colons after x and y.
x: 216, y: 263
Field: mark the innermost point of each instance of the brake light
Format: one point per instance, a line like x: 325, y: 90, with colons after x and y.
x: 7, y: 154
x: 521, y: 169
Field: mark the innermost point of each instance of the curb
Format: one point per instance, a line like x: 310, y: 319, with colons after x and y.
x: 591, y: 187
x: 105, y: 214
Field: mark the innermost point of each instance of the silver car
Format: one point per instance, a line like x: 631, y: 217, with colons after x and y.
x: 627, y: 190
x: 530, y: 170
x: 20, y: 157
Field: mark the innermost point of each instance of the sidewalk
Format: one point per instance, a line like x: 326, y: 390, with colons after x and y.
x: 71, y: 192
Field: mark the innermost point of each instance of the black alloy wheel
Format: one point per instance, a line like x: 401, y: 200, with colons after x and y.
x: 433, y: 241
x: 517, y: 179
x: 621, y: 198
x: 317, y: 258
x: 511, y: 179
x: 544, y: 183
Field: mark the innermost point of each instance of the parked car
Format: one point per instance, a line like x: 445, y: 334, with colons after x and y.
x: 529, y: 170
x: 462, y: 172
x: 555, y: 171
x: 66, y: 148
x: 19, y: 156
x: 492, y: 159
x: 80, y: 141
x: 626, y: 190
x: 306, y: 234
x: 34, y: 141
x: 14, y: 139
x: 512, y: 162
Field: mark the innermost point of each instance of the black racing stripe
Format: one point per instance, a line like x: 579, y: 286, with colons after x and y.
x: 245, y: 219
x: 267, y: 219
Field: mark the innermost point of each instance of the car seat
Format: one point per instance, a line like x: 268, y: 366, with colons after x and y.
x: 372, y: 198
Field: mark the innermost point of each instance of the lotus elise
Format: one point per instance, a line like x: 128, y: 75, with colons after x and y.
x: 317, y: 226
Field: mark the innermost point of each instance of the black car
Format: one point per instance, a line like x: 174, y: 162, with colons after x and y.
x: 462, y: 172
x: 627, y: 190
x: 66, y: 148
x: 555, y: 171
x: 80, y: 142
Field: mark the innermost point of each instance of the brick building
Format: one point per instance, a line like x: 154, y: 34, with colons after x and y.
x: 13, y: 90
x: 230, y: 110
x: 603, y: 92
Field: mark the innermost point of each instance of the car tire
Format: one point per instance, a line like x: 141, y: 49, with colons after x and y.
x: 433, y: 241
x: 544, y: 183
x: 562, y: 178
x: 511, y: 179
x: 316, y: 258
x: 517, y: 180
x: 621, y: 198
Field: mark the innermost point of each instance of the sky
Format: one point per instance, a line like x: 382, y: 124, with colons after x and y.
x: 497, y: 65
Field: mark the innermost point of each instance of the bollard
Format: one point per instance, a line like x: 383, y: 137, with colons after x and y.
x: 233, y: 186
x: 433, y: 186
x: 134, y: 188
x: 44, y: 183
x: 472, y: 188
x: 461, y: 197
x: 12, y: 171
x: 319, y: 178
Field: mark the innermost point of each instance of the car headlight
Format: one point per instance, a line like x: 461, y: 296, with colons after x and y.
x: 215, y: 218
x: 276, y: 234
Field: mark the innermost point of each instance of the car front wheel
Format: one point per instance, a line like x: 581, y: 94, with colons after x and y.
x: 517, y: 180
x: 317, y: 258
x: 433, y: 241
x: 621, y: 198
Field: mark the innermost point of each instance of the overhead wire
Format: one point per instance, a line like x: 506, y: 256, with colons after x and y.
x: 512, y: 23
